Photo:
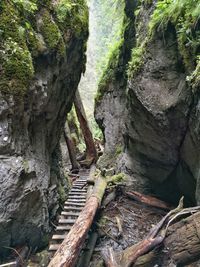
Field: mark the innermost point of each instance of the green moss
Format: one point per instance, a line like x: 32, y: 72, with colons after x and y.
x: 110, y: 71
x: 116, y: 178
x: 61, y: 192
x: 184, y: 15
x: 73, y: 15
x: 119, y: 150
x: 20, y: 43
x: 137, y: 58
x: 194, y: 78
x: 50, y: 31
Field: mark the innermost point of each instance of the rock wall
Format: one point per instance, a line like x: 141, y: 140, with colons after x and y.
x: 110, y: 103
x: 161, y: 126
x: 33, y: 112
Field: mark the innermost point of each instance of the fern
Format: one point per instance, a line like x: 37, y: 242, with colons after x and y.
x: 184, y: 15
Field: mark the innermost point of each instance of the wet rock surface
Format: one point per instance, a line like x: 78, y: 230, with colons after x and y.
x: 159, y: 137
x: 30, y: 129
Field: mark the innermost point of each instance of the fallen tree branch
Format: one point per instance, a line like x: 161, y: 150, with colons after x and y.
x: 148, y: 200
x: 156, y: 236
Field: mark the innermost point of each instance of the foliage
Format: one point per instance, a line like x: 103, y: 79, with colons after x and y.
x: 96, y: 131
x: 184, y: 15
x: 117, y: 178
x: 72, y: 14
x: 194, y: 78
x: 106, y: 18
x: 26, y: 6
x: 110, y: 70
x: 137, y: 58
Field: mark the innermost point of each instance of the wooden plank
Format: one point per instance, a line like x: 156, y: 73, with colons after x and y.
x: 74, y: 204
x: 63, y: 228
x: 54, y: 247
x: 65, y: 213
x: 72, y: 208
x: 58, y: 237
x: 67, y: 221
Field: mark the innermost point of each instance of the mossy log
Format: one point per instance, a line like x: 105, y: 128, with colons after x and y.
x: 67, y: 254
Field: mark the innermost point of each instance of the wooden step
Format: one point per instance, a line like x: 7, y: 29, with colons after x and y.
x: 78, y: 197
x: 73, y: 208
x: 67, y: 221
x: 80, y: 182
x: 54, y: 247
x: 78, y: 190
x: 70, y: 203
x: 58, y: 237
x: 63, y: 228
x: 75, y: 200
x: 70, y: 213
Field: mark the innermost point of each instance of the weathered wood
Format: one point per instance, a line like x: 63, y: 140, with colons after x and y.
x: 183, y: 240
x: 110, y: 258
x: 67, y: 254
x: 119, y: 225
x: 71, y: 147
x: 91, y: 177
x: 86, y: 256
x: 91, y: 153
x: 130, y: 255
x: 148, y: 200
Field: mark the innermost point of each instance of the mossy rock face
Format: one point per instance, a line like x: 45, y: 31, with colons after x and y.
x: 29, y: 29
x: 15, y: 58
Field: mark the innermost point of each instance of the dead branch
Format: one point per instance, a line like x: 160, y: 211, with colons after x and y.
x: 148, y: 200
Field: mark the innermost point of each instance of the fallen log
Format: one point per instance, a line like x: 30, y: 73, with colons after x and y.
x: 67, y: 254
x: 183, y: 239
x: 148, y: 200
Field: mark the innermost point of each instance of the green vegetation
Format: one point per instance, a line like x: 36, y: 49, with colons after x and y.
x: 21, y: 24
x: 194, y: 78
x: 184, y: 15
x: 106, y: 18
x: 15, y: 58
x: 111, y: 69
x: 137, y: 58
x: 117, y: 178
x: 73, y: 15
x: 51, y: 33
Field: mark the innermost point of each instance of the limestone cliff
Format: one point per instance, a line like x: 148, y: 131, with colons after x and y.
x: 42, y: 56
x: 160, y: 101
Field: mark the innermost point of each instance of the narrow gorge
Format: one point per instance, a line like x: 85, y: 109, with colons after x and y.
x: 136, y: 64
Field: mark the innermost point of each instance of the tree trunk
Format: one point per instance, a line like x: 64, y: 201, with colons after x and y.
x: 71, y: 148
x: 183, y: 240
x: 91, y: 153
x: 67, y: 254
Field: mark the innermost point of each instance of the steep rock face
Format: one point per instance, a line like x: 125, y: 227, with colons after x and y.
x: 159, y: 107
x: 32, y: 114
x: 110, y: 108
x: 161, y: 125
